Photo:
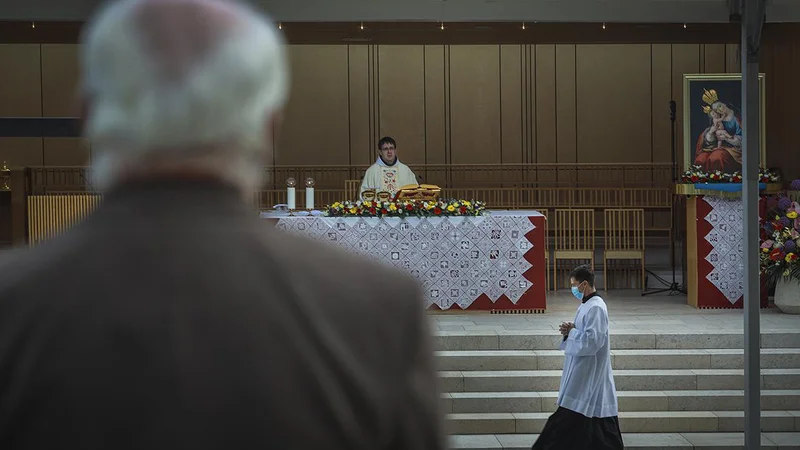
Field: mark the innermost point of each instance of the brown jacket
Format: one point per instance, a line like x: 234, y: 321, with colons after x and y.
x: 173, y: 318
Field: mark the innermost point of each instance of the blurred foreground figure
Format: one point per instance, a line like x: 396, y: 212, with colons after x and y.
x: 172, y: 318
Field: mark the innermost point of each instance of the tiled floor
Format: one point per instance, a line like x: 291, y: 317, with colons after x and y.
x: 628, y: 311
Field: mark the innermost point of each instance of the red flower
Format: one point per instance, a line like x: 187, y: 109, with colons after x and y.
x: 777, y: 225
x: 776, y: 255
x: 372, y: 210
x: 792, y: 257
x: 695, y: 178
x: 437, y: 210
x: 463, y: 210
x: 410, y: 207
x: 383, y: 211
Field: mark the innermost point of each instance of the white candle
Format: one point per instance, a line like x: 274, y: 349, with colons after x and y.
x: 290, y: 200
x: 309, y: 198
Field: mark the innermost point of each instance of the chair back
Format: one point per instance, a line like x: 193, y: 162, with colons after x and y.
x: 351, y: 189
x: 624, y: 229
x: 574, y: 230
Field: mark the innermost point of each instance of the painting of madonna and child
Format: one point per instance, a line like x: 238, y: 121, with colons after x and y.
x: 712, y: 117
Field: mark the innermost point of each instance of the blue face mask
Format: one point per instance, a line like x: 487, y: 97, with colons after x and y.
x: 577, y: 293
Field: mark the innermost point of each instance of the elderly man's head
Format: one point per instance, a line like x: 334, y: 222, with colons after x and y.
x: 175, y: 86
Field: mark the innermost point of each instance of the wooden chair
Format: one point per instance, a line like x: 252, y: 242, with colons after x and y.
x: 574, y: 237
x: 352, y: 189
x: 624, y: 238
x: 545, y: 213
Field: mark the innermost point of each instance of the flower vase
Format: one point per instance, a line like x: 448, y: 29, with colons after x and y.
x: 787, y: 295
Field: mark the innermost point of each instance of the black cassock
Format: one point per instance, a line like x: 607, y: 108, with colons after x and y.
x: 568, y: 430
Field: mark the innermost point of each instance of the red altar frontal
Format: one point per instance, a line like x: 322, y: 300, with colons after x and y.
x: 493, y: 262
x: 715, y: 252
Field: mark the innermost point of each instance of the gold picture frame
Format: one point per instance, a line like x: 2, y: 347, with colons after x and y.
x: 700, y: 93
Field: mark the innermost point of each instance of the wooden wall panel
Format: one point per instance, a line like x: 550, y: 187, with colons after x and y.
x: 662, y: 93
x: 475, y: 104
x: 436, y: 142
x: 401, y: 71
x: 566, y: 113
x: 20, y: 80
x: 509, y: 103
x: 66, y: 152
x: 685, y: 59
x: 781, y: 64
x: 316, y: 126
x: 613, y: 103
x: 59, y: 80
x: 21, y: 152
x: 513, y: 98
x: 713, y: 58
x: 362, y: 149
x: 545, y: 101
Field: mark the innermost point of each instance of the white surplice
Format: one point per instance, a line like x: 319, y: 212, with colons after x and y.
x: 587, y: 384
x: 383, y: 177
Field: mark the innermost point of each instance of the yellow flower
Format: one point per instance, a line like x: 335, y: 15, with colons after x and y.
x: 353, y: 210
x: 451, y: 208
x: 789, y: 257
x: 367, y: 204
x: 792, y: 214
x: 392, y: 207
x: 765, y: 250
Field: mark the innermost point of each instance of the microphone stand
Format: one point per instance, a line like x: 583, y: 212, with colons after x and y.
x: 672, y: 288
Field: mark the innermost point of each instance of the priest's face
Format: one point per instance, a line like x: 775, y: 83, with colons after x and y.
x: 578, y: 284
x: 388, y: 153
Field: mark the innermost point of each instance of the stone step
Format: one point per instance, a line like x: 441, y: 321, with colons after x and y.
x: 693, y: 400
x: 626, y: 380
x: 535, y: 339
x: 629, y: 422
x: 771, y: 358
x: 637, y: 441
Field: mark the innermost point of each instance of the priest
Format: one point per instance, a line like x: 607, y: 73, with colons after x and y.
x: 388, y: 173
x: 586, y: 418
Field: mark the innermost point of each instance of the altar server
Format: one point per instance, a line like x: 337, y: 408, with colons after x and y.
x: 586, y: 418
x: 388, y: 173
x: 174, y: 318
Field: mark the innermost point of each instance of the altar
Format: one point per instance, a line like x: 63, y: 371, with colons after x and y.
x: 491, y: 262
x: 715, y: 252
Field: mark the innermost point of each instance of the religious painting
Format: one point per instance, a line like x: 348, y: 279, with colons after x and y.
x: 712, y: 122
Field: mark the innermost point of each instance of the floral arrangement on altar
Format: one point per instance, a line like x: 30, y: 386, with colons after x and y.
x: 405, y: 208
x: 780, y: 240
x: 697, y: 175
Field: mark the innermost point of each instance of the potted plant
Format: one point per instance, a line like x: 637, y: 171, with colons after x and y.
x: 780, y: 252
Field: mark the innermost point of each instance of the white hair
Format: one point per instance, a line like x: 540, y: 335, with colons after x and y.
x: 200, y: 91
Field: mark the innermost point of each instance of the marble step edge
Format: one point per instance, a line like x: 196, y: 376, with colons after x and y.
x: 548, y: 340
x: 630, y: 421
x: 636, y: 441
x: 623, y: 372
x: 624, y: 415
x: 677, y: 400
x: 533, y: 331
x: 553, y: 395
x: 620, y: 352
